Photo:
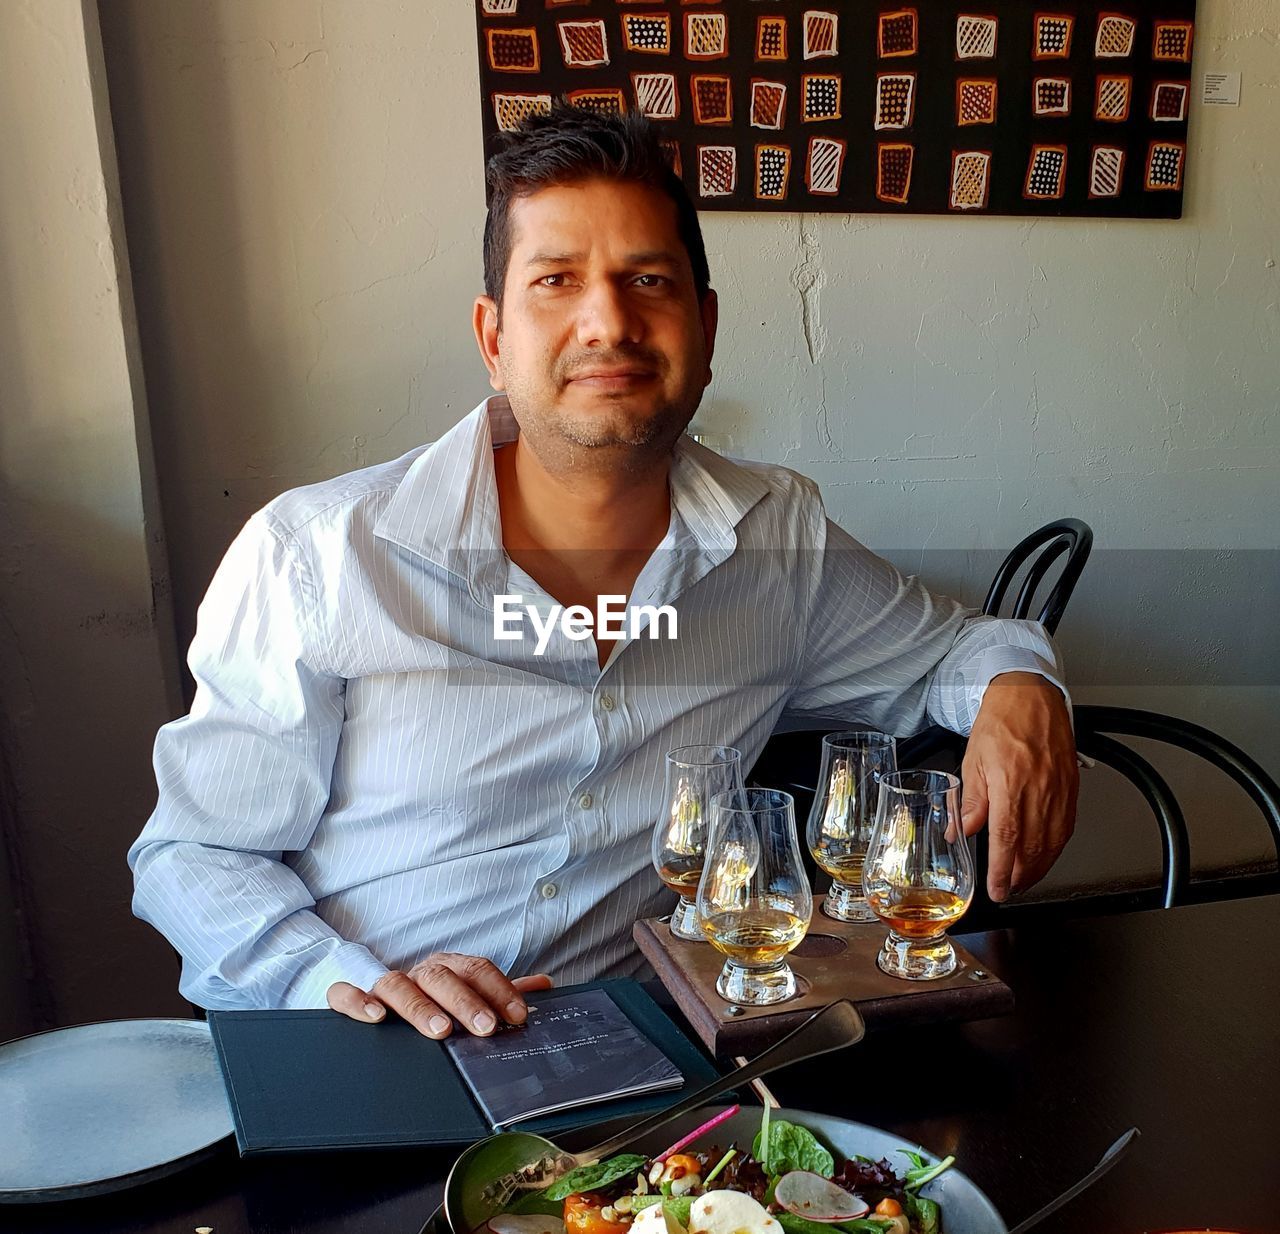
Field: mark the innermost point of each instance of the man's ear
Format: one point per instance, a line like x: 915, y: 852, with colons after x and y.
x: 710, y: 312
x: 484, y: 321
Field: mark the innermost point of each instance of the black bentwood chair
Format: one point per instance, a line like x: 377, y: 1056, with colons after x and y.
x: 1096, y: 729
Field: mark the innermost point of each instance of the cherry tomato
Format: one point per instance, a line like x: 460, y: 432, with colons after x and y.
x: 888, y: 1207
x: 582, y: 1216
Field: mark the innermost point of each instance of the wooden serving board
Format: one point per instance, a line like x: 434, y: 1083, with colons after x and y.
x: 836, y: 960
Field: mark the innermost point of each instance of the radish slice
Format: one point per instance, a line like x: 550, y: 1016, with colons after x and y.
x: 817, y: 1198
x: 525, y: 1223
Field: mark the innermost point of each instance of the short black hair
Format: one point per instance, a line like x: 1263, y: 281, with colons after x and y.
x: 570, y: 144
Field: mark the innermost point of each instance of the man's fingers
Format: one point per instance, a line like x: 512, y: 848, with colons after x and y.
x: 538, y: 981
x: 406, y: 997
x: 355, y: 1003
x: 1002, y: 849
x: 474, y: 975
x: 974, y: 804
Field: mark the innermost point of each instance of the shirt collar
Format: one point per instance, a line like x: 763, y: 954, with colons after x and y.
x: 446, y: 507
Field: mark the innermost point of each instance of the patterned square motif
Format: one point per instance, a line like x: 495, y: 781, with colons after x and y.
x: 1115, y: 36
x: 768, y: 104
x: 1172, y: 41
x: 771, y: 38
x: 1113, y: 97
x: 1106, y: 171
x: 821, y: 92
x: 1046, y: 173
x: 513, y: 51
x: 647, y: 32
x: 898, y: 33
x: 975, y: 37
x: 706, y: 36
x: 1051, y: 96
x: 712, y: 100
x: 656, y: 95
x: 717, y: 171
x: 820, y: 34
x: 1164, y: 165
x: 773, y: 172
x: 824, y: 165
x: 511, y: 110
x: 604, y: 101
x: 893, y: 171
x: 1052, y: 39
x: 498, y: 8
x: 584, y: 44
x: 1169, y: 100
x: 976, y: 100
x: 970, y: 179
x: 895, y: 100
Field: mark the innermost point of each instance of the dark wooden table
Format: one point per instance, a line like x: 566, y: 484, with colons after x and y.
x: 1167, y: 1020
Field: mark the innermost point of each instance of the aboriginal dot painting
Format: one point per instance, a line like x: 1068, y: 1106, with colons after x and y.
x: 960, y: 107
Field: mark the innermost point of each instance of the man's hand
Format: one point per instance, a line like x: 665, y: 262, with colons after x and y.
x: 1020, y: 777
x: 470, y: 988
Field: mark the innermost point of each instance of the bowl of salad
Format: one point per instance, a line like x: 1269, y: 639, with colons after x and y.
x: 748, y: 1171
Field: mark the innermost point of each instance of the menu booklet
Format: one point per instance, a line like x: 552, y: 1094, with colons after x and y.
x: 315, y: 1079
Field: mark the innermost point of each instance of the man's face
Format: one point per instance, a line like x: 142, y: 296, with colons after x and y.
x: 601, y: 341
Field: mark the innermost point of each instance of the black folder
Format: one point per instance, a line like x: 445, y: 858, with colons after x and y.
x: 316, y: 1080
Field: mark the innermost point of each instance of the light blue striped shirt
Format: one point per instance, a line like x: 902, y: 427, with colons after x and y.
x: 367, y: 776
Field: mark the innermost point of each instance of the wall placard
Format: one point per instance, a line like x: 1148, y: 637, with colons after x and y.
x: 933, y: 108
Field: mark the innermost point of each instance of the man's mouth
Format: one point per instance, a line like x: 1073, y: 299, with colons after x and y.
x: 611, y: 379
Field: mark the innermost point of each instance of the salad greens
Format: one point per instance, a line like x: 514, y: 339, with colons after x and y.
x: 593, y: 1177
x: 779, y: 1149
x: 783, y: 1147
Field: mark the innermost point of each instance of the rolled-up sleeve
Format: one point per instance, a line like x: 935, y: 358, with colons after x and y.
x: 243, y: 781
x: 881, y: 649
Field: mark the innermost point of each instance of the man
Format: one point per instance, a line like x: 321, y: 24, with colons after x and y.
x: 377, y: 801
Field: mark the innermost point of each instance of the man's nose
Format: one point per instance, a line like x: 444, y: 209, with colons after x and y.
x: 607, y: 317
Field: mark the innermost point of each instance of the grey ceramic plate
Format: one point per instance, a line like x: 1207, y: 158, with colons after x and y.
x: 100, y: 1107
x: 965, y: 1210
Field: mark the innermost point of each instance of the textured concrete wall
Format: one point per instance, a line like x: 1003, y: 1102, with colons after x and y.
x: 86, y: 644
x: 304, y: 202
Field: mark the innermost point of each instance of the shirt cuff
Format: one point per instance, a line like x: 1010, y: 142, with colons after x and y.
x: 347, y: 962
x: 1006, y: 659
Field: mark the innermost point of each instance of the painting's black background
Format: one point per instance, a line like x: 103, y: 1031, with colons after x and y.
x: 934, y: 132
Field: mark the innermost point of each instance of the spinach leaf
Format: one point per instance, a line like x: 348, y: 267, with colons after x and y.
x: 593, y: 1177
x: 923, y: 1213
x: 679, y: 1207
x: 536, y: 1202
x: 793, y: 1148
x: 791, y: 1224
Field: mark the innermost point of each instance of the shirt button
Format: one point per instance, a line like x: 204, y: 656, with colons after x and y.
x: 586, y: 800
x: 606, y: 702
x: 549, y: 891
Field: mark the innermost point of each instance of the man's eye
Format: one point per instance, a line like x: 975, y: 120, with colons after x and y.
x: 650, y: 280
x: 552, y: 280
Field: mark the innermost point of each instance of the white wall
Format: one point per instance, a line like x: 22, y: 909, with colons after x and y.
x: 86, y: 663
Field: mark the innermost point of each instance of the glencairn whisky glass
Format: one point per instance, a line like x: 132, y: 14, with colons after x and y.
x: 754, y: 900
x: 918, y: 873
x: 844, y: 813
x: 695, y: 774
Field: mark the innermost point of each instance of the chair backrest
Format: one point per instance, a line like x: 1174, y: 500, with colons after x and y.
x: 1067, y: 535
x: 1095, y: 727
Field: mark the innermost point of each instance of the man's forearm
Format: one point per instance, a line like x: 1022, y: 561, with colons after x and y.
x: 245, y: 926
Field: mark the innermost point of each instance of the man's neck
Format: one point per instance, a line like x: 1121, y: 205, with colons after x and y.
x: 601, y: 512
x: 580, y: 535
